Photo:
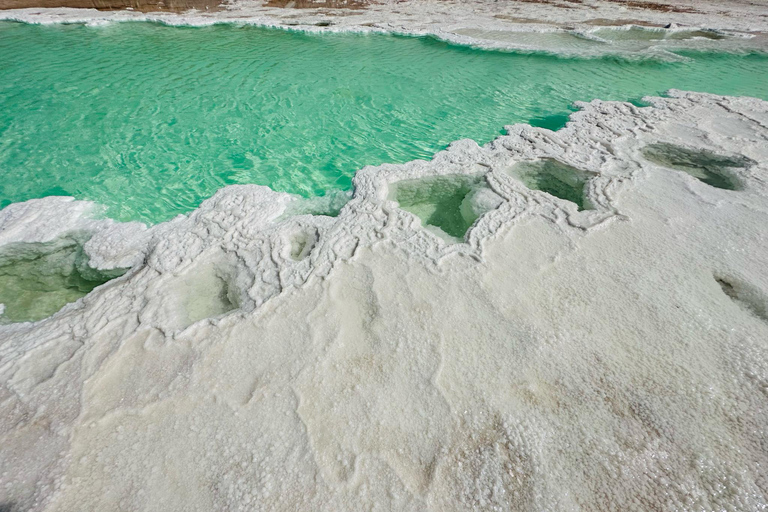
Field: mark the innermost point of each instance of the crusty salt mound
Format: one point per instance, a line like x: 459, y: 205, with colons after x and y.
x: 570, y: 320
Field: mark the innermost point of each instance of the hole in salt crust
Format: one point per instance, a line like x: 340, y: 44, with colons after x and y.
x: 706, y: 166
x: 302, y: 242
x: 447, y: 205
x: 556, y: 179
x: 38, y: 279
x: 206, y: 291
x: 745, y: 295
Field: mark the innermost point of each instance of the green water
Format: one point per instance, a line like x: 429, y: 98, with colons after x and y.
x: 444, y: 202
x: 554, y: 178
x: 150, y: 120
x: 36, y: 280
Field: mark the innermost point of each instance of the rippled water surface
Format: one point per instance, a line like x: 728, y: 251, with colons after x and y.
x: 150, y: 120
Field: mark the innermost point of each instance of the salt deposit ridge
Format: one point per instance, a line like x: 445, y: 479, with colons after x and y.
x: 584, y: 28
x: 607, y: 352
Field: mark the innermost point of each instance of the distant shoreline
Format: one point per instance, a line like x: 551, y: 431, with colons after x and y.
x: 175, y: 6
x: 409, y: 16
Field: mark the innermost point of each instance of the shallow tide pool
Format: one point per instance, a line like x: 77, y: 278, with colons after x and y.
x: 150, y: 120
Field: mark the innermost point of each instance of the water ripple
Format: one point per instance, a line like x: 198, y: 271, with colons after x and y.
x: 150, y: 120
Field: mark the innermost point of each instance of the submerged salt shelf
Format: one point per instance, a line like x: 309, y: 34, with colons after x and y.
x: 38, y: 279
x: 151, y: 120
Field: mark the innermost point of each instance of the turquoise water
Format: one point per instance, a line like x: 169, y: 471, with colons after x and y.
x: 150, y: 120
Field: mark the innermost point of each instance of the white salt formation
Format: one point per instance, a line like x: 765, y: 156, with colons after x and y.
x: 634, y: 28
x: 594, y: 341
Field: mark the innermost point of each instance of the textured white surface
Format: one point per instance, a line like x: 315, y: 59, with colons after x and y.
x: 557, y: 26
x: 606, y: 359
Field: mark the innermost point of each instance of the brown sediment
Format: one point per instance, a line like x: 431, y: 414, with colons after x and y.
x: 516, y: 19
x: 654, y: 6
x: 112, y: 5
x: 605, y: 22
x: 341, y: 12
x: 633, y: 4
x: 598, y: 22
x: 316, y: 4
x: 552, y: 3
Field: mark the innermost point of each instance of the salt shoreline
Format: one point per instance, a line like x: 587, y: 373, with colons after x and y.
x: 628, y: 339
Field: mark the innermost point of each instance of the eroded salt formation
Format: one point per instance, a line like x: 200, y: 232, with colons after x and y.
x: 555, y: 358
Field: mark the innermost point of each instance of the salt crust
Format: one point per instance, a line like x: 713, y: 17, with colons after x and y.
x: 605, y: 359
x: 560, y: 27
